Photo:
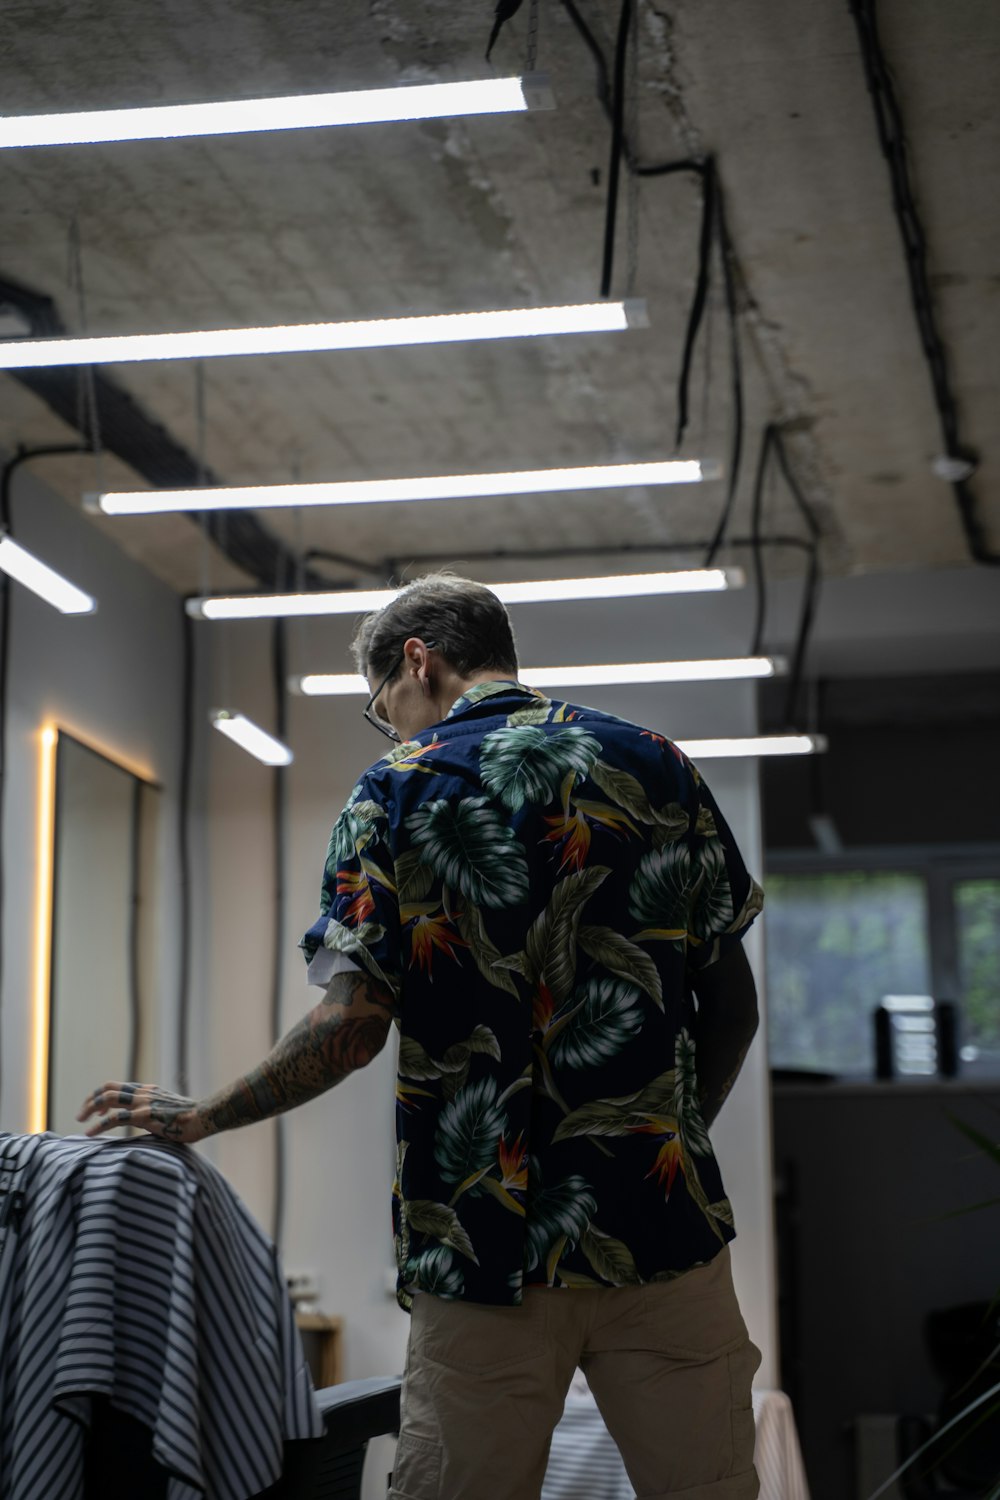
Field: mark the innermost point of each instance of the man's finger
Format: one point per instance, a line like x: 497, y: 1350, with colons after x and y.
x: 107, y: 1096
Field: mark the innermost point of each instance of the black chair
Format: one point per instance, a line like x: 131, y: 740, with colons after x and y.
x: 330, y: 1467
x: 965, y: 1464
x: 119, y: 1464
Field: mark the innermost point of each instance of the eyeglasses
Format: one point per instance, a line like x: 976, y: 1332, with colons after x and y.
x: 382, y: 725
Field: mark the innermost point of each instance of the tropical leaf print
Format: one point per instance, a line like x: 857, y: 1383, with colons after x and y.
x: 557, y: 1215
x: 469, y: 845
x: 435, y: 1271
x: 673, y: 824
x: 712, y: 912
x: 481, y: 690
x: 606, y: 1015
x: 609, y: 1257
x: 661, y: 890
x: 458, y: 1059
x: 571, y: 826
x: 623, y: 788
x: 622, y: 1116
x: 723, y: 1211
x: 487, y: 956
x: 550, y: 952
x: 416, y: 1063
x: 441, y: 1223
x: 413, y: 878
x: 354, y: 829
x: 513, y: 1182
x: 616, y: 954
x: 536, y: 714
x: 670, y: 1158
x: 528, y: 763
x: 687, y: 1106
x: 409, y: 757
x: 355, y: 941
x: 705, y: 825
x: 753, y: 904
x: 469, y: 1131
x: 430, y: 931
x: 361, y: 903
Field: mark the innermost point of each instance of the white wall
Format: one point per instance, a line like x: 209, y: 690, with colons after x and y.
x: 114, y: 679
x: 339, y: 1150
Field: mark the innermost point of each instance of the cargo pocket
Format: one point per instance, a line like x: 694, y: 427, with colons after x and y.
x: 743, y: 1365
x: 416, y: 1473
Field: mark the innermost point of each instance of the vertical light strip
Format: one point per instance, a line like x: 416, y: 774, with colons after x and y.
x: 44, y: 864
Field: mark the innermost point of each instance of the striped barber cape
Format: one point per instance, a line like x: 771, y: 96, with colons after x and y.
x: 130, y: 1269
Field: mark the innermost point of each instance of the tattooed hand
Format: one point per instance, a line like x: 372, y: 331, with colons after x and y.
x: 339, y: 1035
x: 144, y: 1107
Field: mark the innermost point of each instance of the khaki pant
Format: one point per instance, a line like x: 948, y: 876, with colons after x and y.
x: 670, y: 1366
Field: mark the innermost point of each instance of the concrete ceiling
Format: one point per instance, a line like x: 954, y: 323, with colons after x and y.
x: 498, y: 212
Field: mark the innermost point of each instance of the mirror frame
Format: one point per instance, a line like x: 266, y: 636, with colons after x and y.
x: 51, y: 771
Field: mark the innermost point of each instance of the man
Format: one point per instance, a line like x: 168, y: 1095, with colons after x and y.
x: 538, y: 894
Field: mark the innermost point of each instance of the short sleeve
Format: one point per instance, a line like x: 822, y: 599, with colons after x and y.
x: 359, y: 913
x: 725, y: 899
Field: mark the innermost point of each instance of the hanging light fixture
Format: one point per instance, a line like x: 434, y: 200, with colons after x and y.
x: 533, y: 591
x: 27, y: 569
x: 250, y: 737
x: 753, y: 745
x: 301, y: 338
x: 402, y: 491
x: 618, y: 674
x: 419, y: 101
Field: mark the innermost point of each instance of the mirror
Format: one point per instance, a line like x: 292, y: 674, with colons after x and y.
x: 103, y: 1006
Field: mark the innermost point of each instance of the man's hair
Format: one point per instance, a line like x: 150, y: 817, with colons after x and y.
x: 467, y: 623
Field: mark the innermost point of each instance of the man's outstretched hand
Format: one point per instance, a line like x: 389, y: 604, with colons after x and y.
x: 339, y: 1035
x: 144, y: 1107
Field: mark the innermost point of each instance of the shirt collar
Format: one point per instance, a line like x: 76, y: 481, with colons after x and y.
x: 481, y: 690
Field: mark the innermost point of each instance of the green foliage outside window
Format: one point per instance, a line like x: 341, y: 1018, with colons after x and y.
x: 977, y: 916
x: 836, y: 944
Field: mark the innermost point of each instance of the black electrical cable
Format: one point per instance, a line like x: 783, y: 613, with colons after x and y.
x: 810, y: 594
x: 184, y: 849
x: 625, y: 20
x: 756, y: 544
x: 502, y: 13
x: 705, y: 242
x: 892, y: 139
x: 134, y: 897
x: 22, y: 456
x: 603, y: 86
x: 736, y: 376
x: 279, y: 667
x: 605, y: 98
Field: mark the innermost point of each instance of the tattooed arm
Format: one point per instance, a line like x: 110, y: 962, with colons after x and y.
x: 725, y: 1027
x: 339, y: 1035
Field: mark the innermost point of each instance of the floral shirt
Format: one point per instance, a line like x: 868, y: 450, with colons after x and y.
x: 536, y: 882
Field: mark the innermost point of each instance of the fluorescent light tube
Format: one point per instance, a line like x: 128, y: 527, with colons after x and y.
x: 314, y: 685
x: 760, y: 744
x: 402, y: 491
x: 300, y: 338
x: 250, y: 737
x: 534, y: 591
x: 18, y: 563
x: 420, y: 101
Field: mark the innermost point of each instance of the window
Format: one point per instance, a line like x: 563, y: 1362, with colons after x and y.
x: 843, y: 933
x: 837, y: 943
